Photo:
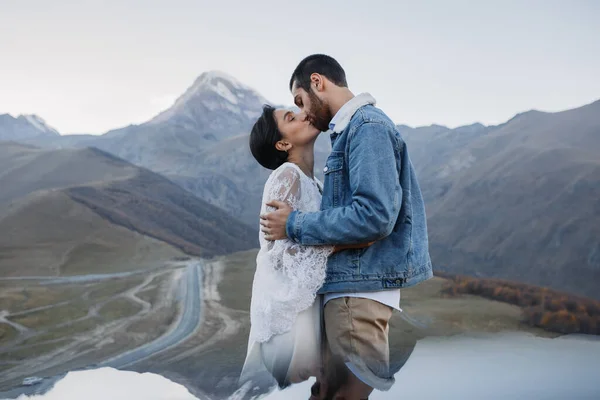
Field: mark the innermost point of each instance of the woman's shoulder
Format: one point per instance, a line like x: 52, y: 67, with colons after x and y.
x: 286, y: 170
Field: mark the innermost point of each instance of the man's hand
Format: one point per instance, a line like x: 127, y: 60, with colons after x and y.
x: 273, y: 223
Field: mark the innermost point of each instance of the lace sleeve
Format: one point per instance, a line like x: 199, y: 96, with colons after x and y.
x: 288, y: 275
x: 284, y: 186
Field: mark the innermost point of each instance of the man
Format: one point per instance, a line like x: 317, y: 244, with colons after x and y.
x: 370, y: 194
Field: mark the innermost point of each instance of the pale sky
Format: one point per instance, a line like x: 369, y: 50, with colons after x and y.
x: 87, y: 66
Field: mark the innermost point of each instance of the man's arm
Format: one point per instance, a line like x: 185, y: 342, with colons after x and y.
x: 376, y: 195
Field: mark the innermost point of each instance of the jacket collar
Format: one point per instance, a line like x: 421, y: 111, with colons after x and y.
x: 342, y: 118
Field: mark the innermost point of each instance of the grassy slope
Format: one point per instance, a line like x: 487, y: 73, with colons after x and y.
x: 53, y: 235
x: 76, y: 211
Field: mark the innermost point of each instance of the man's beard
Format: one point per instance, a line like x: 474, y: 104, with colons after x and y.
x: 319, y: 113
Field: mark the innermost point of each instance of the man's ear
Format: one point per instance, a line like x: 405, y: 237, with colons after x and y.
x: 317, y: 82
x: 283, y: 146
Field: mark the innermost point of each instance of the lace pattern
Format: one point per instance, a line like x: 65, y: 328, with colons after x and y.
x: 287, y: 275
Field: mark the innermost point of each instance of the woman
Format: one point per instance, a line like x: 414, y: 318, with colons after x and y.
x: 285, y: 311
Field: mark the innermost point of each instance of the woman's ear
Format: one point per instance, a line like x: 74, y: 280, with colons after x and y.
x: 283, y: 146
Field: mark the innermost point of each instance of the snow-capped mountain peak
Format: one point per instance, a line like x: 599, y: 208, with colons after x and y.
x: 215, y: 91
x: 222, y: 84
x: 209, y: 78
x: 38, y: 123
x: 24, y: 127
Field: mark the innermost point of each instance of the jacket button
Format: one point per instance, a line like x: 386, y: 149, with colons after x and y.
x: 325, y: 169
x: 398, y: 281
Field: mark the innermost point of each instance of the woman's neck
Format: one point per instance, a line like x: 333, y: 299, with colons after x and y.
x: 304, y: 158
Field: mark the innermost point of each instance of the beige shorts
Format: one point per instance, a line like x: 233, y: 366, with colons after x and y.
x: 356, y: 331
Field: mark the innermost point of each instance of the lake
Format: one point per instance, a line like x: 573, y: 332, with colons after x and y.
x: 474, y: 366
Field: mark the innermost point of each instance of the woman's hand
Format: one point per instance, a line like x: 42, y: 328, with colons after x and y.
x: 338, y: 248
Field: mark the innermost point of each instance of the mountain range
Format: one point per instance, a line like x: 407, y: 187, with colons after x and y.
x: 518, y: 200
x: 201, y: 143
x: 70, y: 211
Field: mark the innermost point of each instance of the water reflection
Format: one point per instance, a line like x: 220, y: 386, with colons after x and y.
x: 485, y: 366
x: 492, y: 366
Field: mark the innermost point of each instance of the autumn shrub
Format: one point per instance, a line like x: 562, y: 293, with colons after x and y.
x: 542, y: 307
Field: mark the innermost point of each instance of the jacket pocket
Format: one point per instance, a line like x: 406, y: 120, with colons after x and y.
x: 333, y: 179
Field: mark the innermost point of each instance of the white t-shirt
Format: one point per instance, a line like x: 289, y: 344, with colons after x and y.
x: 390, y: 298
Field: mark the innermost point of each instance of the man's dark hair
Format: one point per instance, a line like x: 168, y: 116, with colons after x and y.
x: 263, y: 137
x: 320, y: 64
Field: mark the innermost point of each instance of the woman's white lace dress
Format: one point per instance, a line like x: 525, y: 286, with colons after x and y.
x: 285, y: 312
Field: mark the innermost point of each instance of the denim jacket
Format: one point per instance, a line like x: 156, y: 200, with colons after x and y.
x: 370, y: 194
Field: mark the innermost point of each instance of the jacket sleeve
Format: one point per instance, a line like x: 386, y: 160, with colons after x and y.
x: 376, y: 195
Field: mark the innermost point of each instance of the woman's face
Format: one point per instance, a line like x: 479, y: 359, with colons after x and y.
x: 295, y: 128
